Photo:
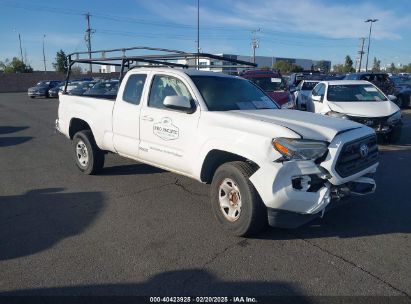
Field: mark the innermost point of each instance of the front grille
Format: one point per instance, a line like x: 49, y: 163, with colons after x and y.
x: 350, y: 160
x: 372, y: 122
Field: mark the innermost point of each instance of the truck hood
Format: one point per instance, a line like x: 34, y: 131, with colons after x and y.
x: 364, y: 109
x: 307, y: 125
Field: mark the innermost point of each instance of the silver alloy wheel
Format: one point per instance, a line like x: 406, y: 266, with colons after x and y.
x: 229, y: 197
x: 82, y: 153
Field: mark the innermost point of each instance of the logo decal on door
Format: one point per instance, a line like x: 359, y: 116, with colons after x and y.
x: 165, y: 129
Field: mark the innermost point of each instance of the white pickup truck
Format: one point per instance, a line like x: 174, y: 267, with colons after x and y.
x: 264, y: 164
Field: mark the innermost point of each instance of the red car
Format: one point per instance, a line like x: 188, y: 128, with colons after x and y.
x: 273, y: 84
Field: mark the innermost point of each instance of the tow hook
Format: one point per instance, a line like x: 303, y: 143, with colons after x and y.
x: 340, y: 192
x: 360, y: 186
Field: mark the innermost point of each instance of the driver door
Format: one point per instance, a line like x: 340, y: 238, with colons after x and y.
x: 168, y: 135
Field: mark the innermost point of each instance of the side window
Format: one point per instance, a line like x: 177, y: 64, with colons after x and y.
x: 321, y: 89
x: 164, y: 86
x: 315, y: 90
x: 134, y: 88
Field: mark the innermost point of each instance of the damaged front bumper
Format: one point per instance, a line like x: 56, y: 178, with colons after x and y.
x: 301, y: 191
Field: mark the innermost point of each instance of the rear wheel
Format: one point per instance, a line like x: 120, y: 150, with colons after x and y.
x: 234, y: 200
x: 88, y: 156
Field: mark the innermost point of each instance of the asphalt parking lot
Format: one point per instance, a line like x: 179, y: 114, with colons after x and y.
x: 138, y: 230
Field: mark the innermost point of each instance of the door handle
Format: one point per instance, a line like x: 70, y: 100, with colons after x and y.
x: 147, y: 118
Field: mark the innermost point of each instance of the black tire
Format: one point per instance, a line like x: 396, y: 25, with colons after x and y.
x: 95, y: 161
x: 253, y: 216
x: 394, y: 136
x: 31, y: 96
x: 403, y: 101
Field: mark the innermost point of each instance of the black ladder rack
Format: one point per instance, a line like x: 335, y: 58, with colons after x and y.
x: 161, y: 58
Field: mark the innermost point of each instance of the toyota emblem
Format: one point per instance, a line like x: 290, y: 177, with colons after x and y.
x: 364, y: 150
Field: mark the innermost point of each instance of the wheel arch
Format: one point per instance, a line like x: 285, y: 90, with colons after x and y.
x: 215, y: 158
x: 77, y: 125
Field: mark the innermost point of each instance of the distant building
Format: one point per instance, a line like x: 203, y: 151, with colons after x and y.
x: 109, y: 69
x: 261, y: 61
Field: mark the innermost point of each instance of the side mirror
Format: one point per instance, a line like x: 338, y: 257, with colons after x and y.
x: 180, y: 103
x: 318, y: 98
x: 392, y: 98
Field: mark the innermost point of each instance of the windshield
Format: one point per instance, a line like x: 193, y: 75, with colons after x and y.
x: 353, y: 93
x: 270, y: 84
x: 226, y: 93
x: 43, y: 83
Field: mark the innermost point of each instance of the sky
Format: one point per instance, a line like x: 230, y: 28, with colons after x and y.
x: 310, y: 29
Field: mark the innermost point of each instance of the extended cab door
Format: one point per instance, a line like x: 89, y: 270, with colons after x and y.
x: 126, y: 115
x: 168, y: 136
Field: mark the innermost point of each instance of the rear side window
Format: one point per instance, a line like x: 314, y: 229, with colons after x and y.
x: 134, y: 88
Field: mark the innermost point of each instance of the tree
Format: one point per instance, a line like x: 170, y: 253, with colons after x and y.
x: 392, y: 68
x: 376, y: 67
x: 15, y: 66
x: 61, y: 62
x: 406, y: 68
x: 76, y: 70
x: 287, y: 67
x: 338, y: 68
x: 348, y: 68
x: 322, y: 66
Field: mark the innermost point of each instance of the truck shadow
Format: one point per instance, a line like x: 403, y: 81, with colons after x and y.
x: 38, y: 219
x: 131, y: 169
x: 13, y: 141
x: 10, y: 129
x: 190, y: 282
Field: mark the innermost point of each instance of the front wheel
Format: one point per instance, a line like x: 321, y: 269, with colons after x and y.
x: 88, y: 156
x: 394, y: 136
x: 234, y: 200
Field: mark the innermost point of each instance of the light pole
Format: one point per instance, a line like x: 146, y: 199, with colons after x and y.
x: 44, y: 56
x: 369, y: 39
x: 198, y: 34
x: 21, y: 50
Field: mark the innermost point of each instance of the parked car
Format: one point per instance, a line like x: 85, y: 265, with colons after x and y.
x: 101, y: 88
x: 264, y: 164
x: 41, y: 89
x: 54, y: 92
x: 273, y: 84
x: 296, y: 78
x: 403, y: 90
x: 381, y: 80
x: 82, y: 87
x: 302, y: 94
x: 360, y: 101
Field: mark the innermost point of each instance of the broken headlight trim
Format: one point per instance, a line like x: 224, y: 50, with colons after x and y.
x: 299, y: 149
x: 394, y: 117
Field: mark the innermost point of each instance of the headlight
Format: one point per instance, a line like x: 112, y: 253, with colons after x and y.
x: 337, y: 115
x: 394, y: 117
x: 300, y: 149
